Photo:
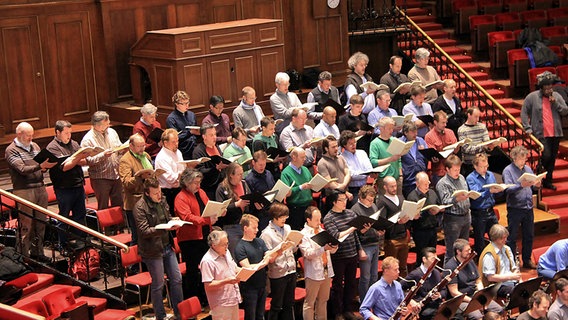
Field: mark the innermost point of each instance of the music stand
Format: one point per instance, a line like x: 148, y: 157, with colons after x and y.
x: 481, y: 298
x: 449, y: 308
x: 560, y: 274
x: 521, y: 293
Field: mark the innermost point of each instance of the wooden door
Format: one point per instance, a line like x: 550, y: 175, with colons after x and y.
x: 22, y: 84
x: 69, y: 67
x: 270, y: 62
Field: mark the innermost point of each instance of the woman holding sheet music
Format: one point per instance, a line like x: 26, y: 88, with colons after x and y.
x: 233, y: 187
x: 282, y: 271
x: 188, y: 205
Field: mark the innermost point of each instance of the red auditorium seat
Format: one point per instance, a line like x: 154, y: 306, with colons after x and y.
x: 499, y: 43
x: 463, y: 9
x: 535, y: 72
x: 558, y: 16
x: 489, y: 6
x: 508, y: 21
x: 518, y: 68
x: 562, y: 72
x: 112, y: 218
x: 515, y: 5
x: 189, y: 308
x: 534, y: 18
x: 480, y: 26
x: 37, y: 307
x: 538, y: 252
x: 559, y: 53
x: 556, y: 35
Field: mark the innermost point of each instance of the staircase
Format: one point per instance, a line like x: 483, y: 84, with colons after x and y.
x: 555, y: 202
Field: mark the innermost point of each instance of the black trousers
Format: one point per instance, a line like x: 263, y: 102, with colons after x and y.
x: 549, y: 154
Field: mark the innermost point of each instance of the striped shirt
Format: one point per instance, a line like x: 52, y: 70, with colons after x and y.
x: 335, y: 223
x: 477, y: 133
x: 100, y: 166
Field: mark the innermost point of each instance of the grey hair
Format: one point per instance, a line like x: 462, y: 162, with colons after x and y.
x: 519, y: 151
x: 281, y: 77
x: 148, y: 108
x: 215, y: 236
x: 421, y: 53
x: 23, y: 127
x: 324, y: 75
x: 497, y: 232
x: 99, y: 116
x: 355, y: 58
x: 188, y: 175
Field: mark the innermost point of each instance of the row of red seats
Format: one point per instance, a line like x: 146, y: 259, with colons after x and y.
x: 464, y: 9
x: 42, y: 297
x: 519, y: 66
x: 499, y: 42
x: 481, y: 25
x: 560, y: 71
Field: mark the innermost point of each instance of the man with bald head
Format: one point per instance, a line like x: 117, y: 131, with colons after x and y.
x: 298, y: 134
x: 396, y: 242
x: 423, y: 229
x: 327, y: 124
x: 300, y: 196
x: 134, y: 160
x: 27, y: 181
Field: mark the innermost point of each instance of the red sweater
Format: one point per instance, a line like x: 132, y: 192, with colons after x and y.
x: 186, y: 208
x: 144, y: 130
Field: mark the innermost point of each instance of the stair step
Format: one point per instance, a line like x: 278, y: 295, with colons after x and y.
x: 478, y: 75
x: 438, y: 34
x: 561, y: 188
x: 562, y: 213
x: 413, y: 12
x: 427, y: 26
x: 506, y: 102
x: 408, y: 4
x: 461, y: 58
x: 556, y: 202
x: 453, y: 50
x: 496, y: 93
x: 446, y: 42
x: 422, y: 19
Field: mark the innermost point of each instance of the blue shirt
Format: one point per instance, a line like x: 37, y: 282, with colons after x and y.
x: 358, y: 163
x: 323, y: 130
x: 377, y: 114
x: 556, y: 257
x: 517, y: 196
x: 382, y: 300
x: 421, y: 110
x: 413, y: 162
x: 476, y: 182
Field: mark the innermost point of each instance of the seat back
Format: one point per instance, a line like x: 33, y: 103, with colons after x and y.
x: 474, y: 21
x: 51, y: 198
x: 562, y: 72
x: 131, y: 257
x: 110, y: 217
x: 496, y: 36
x: 538, y: 252
x: 189, y: 308
x: 535, y: 72
x: 508, y: 21
x: 36, y: 307
x: 534, y: 18
x: 59, y: 300
x: 515, y: 5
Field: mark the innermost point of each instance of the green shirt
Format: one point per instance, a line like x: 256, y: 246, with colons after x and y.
x: 298, y: 197
x: 269, y: 142
x: 378, y: 150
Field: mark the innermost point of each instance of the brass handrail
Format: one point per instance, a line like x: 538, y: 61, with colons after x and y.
x: 495, y: 103
x: 63, y: 219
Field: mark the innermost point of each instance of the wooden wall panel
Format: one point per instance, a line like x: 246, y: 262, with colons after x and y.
x: 194, y: 76
x: 155, y: 18
x: 118, y: 50
x: 245, y: 74
x: 220, y: 77
x: 332, y: 44
x: 70, y: 65
x: 266, y: 9
x: 189, y: 14
x: 225, y: 10
x: 22, y: 85
x: 164, y: 74
x: 270, y: 64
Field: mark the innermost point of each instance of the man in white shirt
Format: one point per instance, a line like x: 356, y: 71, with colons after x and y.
x: 169, y: 159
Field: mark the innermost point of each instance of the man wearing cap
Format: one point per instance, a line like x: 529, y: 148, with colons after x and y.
x: 541, y: 115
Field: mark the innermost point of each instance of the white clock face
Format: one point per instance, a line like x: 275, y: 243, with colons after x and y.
x: 333, y: 3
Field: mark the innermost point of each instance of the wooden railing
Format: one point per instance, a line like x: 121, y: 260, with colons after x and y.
x: 499, y: 121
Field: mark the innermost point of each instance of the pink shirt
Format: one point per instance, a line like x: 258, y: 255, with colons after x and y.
x: 547, y: 121
x: 216, y: 267
x: 438, y: 141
